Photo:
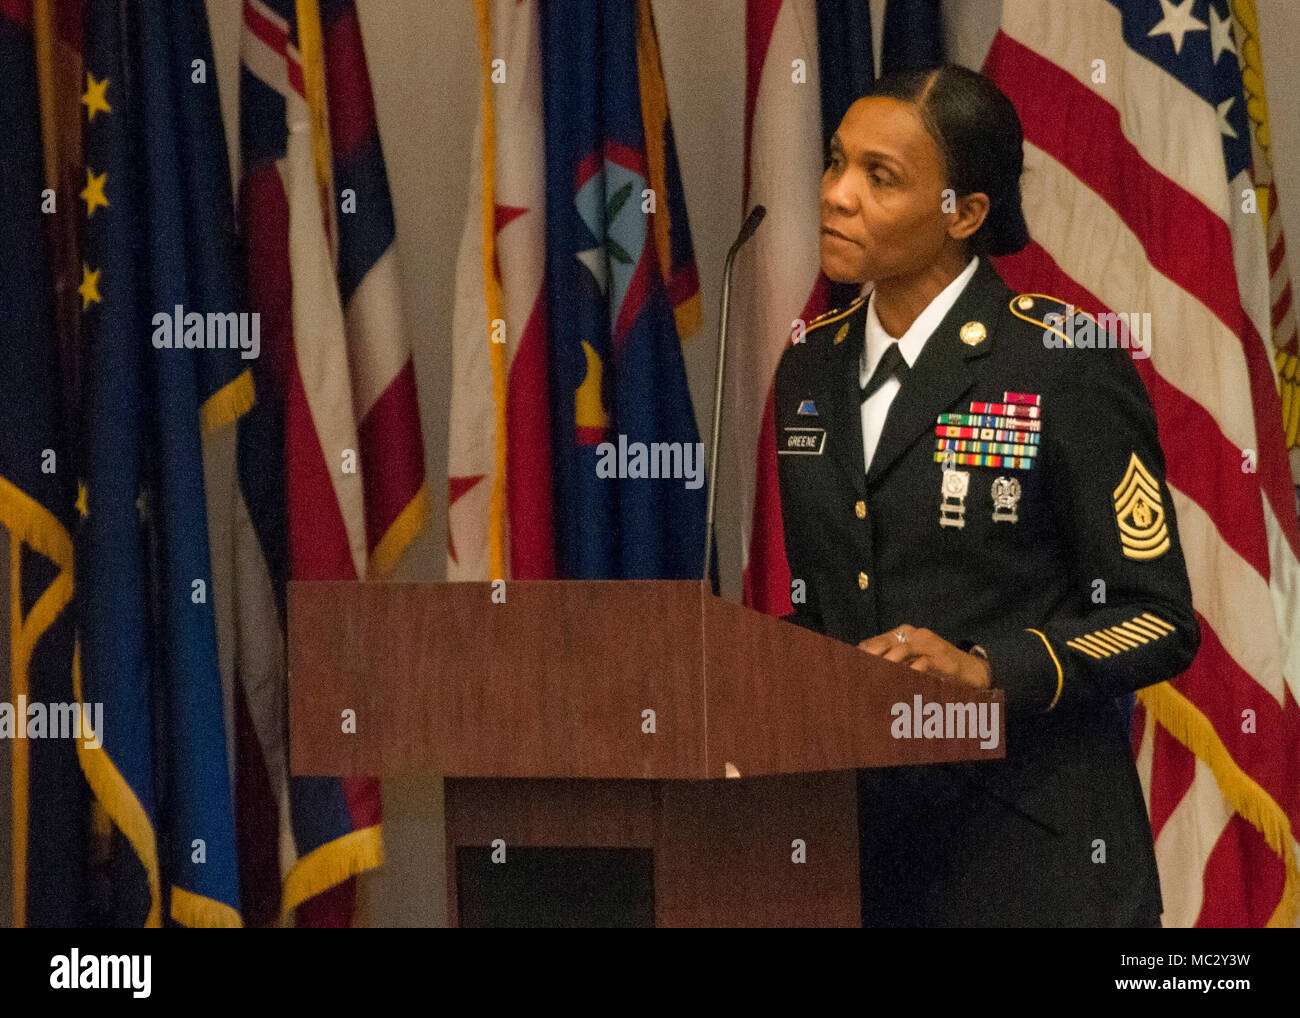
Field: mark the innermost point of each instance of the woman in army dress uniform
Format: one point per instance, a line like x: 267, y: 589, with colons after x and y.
x: 984, y: 502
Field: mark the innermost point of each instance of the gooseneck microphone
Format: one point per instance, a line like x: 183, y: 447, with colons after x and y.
x: 752, y: 220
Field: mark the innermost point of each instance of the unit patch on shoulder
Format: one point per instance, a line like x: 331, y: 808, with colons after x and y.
x: 1143, y: 533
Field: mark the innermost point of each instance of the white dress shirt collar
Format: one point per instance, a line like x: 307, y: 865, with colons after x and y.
x: 912, y: 341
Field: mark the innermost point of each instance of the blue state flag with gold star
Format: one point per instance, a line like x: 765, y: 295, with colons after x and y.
x: 48, y: 794
x: 158, y: 287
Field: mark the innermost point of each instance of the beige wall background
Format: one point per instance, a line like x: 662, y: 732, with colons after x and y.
x: 423, y: 66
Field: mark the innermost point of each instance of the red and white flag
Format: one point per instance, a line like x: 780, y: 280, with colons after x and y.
x: 331, y: 461
x: 1138, y: 191
x: 777, y: 279
x: 500, y: 418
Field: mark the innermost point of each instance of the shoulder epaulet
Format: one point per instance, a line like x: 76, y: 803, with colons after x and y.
x: 835, y: 316
x: 1038, y: 308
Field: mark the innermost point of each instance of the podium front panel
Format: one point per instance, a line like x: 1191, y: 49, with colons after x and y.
x: 532, y: 679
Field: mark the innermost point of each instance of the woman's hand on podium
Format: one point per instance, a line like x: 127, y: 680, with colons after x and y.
x: 928, y: 652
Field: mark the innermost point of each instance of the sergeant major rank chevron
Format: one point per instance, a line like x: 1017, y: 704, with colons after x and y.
x: 1143, y: 533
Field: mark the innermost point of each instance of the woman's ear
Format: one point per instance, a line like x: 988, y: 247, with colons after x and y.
x: 972, y: 210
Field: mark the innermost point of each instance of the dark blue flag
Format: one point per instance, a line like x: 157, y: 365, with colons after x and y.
x: 628, y: 466
x: 164, y: 338
x: 36, y: 508
x: 913, y: 36
x: 846, y: 68
x: 844, y: 58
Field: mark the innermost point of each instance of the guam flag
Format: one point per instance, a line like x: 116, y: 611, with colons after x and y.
x: 628, y: 467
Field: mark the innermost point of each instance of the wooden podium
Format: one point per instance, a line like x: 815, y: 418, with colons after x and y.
x: 611, y: 715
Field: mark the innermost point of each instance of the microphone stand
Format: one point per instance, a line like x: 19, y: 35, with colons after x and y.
x: 755, y: 217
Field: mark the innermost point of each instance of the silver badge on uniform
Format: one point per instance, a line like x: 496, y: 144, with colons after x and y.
x: 1006, y: 495
x: 952, y: 504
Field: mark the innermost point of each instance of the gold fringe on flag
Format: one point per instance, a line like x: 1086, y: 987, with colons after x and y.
x: 1285, y: 339
x: 1289, y: 388
x: 228, y: 404
x: 1252, y: 75
x: 196, y: 911
x: 354, y: 853
x: 116, y: 797
x: 30, y: 523
x: 330, y: 865
x: 1186, y: 723
x: 410, y: 521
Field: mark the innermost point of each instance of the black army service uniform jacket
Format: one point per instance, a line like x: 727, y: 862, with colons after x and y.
x: 1077, y: 591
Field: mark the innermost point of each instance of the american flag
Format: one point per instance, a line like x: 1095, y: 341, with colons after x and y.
x: 331, y: 459
x: 1139, y: 195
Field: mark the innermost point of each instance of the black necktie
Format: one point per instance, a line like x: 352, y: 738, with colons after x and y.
x: 891, y: 365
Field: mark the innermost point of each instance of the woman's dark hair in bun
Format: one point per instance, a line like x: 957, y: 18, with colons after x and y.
x: 979, y: 136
